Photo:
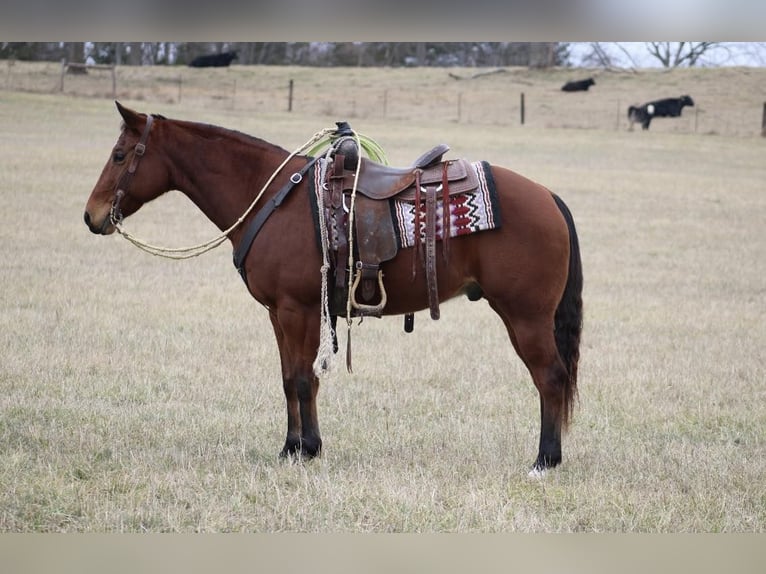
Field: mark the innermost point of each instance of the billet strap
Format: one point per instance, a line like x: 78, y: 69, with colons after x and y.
x: 417, y: 250
x: 445, y: 212
x: 430, y: 264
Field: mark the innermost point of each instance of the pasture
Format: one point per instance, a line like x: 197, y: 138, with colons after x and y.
x: 144, y: 395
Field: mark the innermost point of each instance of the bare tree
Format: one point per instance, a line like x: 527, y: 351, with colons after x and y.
x: 600, y: 56
x: 76, y: 52
x: 677, y: 54
x: 668, y: 54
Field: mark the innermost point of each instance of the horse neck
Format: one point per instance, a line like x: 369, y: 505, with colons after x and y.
x: 220, y: 170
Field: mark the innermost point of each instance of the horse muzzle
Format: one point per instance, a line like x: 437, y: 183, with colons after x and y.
x: 104, y: 228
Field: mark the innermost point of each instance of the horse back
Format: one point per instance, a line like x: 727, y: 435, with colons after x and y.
x: 527, y: 255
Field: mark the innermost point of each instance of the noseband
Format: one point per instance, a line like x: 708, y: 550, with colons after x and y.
x: 121, y: 189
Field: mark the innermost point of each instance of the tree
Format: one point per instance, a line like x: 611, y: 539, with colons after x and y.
x: 667, y: 54
x: 76, y: 52
x: 676, y: 54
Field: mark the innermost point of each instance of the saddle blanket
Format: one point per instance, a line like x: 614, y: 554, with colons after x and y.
x: 470, y: 212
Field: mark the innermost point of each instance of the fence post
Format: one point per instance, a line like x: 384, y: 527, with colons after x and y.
x: 63, y: 71
x: 763, y: 121
x: 522, y: 108
x: 114, y: 82
x: 290, y: 97
x: 8, y: 78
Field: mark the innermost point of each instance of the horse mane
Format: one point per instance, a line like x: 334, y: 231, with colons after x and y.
x: 212, y: 131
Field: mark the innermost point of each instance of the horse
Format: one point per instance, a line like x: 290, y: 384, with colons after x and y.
x: 529, y: 270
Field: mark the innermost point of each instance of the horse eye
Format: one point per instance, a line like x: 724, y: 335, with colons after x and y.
x: 118, y: 157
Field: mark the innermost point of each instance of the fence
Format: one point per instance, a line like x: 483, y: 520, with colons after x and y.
x: 72, y: 68
x: 513, y: 98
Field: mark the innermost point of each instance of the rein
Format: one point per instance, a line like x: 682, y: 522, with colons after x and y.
x: 318, y: 140
x: 196, y: 250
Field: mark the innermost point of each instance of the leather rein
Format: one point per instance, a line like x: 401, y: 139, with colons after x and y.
x: 240, y: 253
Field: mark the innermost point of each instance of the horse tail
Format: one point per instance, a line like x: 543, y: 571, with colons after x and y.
x: 569, y: 316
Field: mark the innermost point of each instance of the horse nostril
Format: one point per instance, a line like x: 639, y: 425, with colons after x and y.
x: 89, y: 223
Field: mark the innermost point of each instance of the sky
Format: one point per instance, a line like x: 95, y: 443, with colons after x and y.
x: 730, y: 54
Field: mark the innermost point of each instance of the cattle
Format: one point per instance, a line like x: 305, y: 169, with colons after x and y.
x: 665, y: 108
x: 578, y: 85
x: 221, y: 60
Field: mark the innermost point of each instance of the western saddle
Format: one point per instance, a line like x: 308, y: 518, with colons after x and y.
x: 427, y: 182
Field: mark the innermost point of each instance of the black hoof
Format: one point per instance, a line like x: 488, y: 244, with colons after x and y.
x: 544, y: 463
x: 304, y: 448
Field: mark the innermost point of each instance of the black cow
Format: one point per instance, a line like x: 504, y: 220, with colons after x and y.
x: 667, y: 108
x: 578, y: 85
x: 221, y: 60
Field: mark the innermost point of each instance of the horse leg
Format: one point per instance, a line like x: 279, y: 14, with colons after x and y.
x: 297, y: 333
x: 534, y: 342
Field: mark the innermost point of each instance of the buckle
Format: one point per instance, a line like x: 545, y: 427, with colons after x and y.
x: 140, y: 149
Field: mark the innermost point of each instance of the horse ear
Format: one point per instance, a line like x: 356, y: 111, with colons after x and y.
x: 132, y: 119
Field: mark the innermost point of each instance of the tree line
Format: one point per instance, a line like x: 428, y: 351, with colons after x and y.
x: 603, y: 55
x: 480, y: 54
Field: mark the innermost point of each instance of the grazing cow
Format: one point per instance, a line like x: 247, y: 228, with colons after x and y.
x: 221, y: 60
x: 666, y: 108
x: 578, y: 85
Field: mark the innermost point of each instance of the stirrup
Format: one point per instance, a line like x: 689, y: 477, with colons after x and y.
x: 368, y: 309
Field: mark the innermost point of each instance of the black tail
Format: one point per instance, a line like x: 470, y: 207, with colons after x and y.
x: 569, y: 315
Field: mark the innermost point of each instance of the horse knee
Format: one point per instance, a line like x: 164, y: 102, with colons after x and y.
x: 307, y: 389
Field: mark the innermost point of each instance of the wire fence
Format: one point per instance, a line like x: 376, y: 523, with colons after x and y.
x: 508, y: 97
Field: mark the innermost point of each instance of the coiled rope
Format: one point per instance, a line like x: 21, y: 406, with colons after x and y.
x: 317, y: 142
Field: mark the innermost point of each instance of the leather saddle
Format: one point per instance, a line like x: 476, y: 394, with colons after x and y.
x: 427, y: 182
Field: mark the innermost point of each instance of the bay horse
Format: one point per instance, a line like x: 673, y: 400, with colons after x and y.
x: 529, y: 269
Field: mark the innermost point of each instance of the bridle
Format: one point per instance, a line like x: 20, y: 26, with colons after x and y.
x: 121, y: 189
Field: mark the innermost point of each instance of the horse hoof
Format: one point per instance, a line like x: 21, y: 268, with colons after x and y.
x: 537, y: 473
x: 302, y: 450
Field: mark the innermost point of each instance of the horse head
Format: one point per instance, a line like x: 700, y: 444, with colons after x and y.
x: 123, y: 188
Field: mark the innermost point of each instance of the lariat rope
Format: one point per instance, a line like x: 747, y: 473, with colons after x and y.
x: 326, y: 334
x: 322, y: 363
x: 325, y: 350
x: 197, y: 250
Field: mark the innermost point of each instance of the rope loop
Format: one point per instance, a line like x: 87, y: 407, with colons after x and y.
x: 197, y: 250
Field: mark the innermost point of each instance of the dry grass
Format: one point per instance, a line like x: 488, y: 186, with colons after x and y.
x: 141, y: 394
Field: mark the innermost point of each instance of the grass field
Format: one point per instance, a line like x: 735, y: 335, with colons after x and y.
x: 140, y: 394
